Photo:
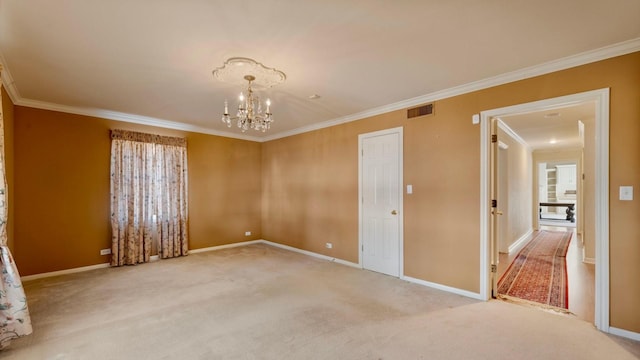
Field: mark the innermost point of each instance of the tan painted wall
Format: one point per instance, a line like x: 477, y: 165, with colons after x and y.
x: 520, y: 195
x: 8, y: 118
x: 310, y: 181
x: 311, y: 191
x: 62, y: 189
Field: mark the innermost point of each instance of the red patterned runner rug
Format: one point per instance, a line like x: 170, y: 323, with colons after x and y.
x: 539, y: 271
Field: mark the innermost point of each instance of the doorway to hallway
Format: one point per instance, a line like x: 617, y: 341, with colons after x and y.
x: 597, y: 193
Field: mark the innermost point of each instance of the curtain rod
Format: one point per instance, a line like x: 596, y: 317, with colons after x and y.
x: 117, y: 134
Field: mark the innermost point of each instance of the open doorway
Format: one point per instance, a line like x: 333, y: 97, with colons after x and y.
x: 543, y: 262
x: 588, y: 200
x: 558, y: 193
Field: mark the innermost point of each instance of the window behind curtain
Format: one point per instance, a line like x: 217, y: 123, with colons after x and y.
x: 148, y: 196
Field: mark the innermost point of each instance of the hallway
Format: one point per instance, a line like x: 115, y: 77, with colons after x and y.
x: 581, y: 276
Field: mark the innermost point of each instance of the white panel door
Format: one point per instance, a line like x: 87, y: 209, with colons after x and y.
x: 381, y: 191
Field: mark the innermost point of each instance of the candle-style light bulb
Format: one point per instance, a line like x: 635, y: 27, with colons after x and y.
x: 268, y: 106
x: 241, y: 97
x: 226, y: 107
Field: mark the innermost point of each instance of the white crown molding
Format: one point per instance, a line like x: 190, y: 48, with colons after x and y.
x: 7, y: 81
x: 619, y: 49
x: 509, y: 131
x: 130, y: 118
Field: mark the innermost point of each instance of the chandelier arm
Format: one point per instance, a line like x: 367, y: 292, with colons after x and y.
x: 250, y: 114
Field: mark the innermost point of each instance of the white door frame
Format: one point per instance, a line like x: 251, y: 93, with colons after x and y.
x: 361, y: 137
x: 601, y: 98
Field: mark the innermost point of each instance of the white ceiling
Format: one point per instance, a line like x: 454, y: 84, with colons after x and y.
x: 152, y: 60
x: 539, y: 128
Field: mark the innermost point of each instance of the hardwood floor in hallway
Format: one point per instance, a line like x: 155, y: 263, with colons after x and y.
x: 581, y: 276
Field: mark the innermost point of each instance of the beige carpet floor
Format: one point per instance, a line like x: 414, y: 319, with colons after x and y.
x: 260, y: 302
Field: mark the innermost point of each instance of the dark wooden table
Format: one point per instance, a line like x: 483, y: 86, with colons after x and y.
x: 571, y: 207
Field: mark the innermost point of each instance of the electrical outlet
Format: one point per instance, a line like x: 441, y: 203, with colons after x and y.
x: 329, y: 245
x: 105, y: 251
x: 247, y: 233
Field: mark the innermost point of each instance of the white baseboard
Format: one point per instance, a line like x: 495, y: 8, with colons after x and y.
x: 587, y: 260
x: 153, y: 258
x: 443, y: 287
x: 520, y: 242
x: 225, y: 246
x: 281, y: 246
x: 313, y: 254
x: 358, y: 266
x: 624, y: 333
x: 64, y: 272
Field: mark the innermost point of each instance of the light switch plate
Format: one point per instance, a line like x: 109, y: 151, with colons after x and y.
x: 409, y: 189
x: 626, y: 193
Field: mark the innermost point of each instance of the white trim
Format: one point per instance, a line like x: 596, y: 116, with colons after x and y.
x: 65, y: 272
x: 225, y: 246
x: 520, y: 242
x: 601, y: 98
x: 624, y: 333
x: 196, y: 251
x: 450, y: 289
x: 587, y: 260
x: 312, y: 254
x: 509, y: 131
x: 622, y: 48
x: 106, y: 265
x: 485, y: 191
x: 502, y: 145
x: 602, y: 209
x: 130, y: 118
x: 618, y: 49
x: 7, y: 82
x: 400, y: 131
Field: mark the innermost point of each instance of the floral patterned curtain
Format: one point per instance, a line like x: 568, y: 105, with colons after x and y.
x: 148, y: 196
x: 14, y: 313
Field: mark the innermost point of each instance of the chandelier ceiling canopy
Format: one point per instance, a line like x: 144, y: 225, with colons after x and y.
x: 235, y: 69
x: 251, y: 114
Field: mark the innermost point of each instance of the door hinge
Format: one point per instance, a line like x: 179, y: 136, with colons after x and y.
x: 362, y: 248
x: 494, y: 268
x: 494, y: 203
x: 494, y: 138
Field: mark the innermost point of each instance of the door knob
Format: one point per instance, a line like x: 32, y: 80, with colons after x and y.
x: 393, y: 212
x: 498, y: 212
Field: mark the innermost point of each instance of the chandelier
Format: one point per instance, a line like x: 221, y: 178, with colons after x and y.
x: 251, y: 113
